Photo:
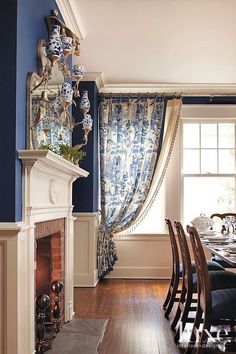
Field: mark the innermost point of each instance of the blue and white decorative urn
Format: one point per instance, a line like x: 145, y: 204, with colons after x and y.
x: 87, y: 122
x: 66, y: 92
x: 84, y: 105
x: 66, y: 45
x: 66, y: 95
x: 78, y: 71
x: 54, y: 45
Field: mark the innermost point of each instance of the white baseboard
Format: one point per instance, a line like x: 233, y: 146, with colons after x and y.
x: 140, y: 273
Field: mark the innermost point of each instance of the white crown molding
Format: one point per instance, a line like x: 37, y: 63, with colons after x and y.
x: 98, y: 77
x: 71, y: 17
x: 197, y: 89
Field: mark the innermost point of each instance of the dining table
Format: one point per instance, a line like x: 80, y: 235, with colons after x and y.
x: 222, y: 246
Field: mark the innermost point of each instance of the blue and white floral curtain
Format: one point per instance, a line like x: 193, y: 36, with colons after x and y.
x: 131, y: 132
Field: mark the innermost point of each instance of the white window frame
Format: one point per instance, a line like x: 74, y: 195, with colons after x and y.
x: 182, y: 175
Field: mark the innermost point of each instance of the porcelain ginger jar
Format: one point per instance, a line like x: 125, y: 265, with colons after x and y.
x: 202, y: 223
x: 54, y: 45
x: 84, y: 105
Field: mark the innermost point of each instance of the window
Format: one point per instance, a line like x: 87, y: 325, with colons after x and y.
x: 201, y: 175
x: 208, y: 167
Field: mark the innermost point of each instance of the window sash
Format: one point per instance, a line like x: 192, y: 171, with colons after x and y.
x: 200, y: 174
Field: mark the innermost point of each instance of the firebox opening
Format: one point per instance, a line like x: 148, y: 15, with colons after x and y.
x: 50, y: 260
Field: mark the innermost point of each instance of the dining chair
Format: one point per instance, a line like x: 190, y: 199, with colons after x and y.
x: 173, y: 290
x: 177, y: 272
x: 215, y: 307
x: 219, y: 279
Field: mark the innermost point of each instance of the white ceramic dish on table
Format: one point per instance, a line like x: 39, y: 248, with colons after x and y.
x: 232, y: 248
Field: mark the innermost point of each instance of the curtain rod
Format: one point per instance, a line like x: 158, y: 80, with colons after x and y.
x: 167, y: 94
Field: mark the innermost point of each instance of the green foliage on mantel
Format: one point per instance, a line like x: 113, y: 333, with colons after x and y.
x: 69, y: 153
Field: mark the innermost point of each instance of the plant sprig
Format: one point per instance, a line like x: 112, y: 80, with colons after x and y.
x: 68, y: 152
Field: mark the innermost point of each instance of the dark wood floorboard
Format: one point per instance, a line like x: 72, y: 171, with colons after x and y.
x: 136, y: 319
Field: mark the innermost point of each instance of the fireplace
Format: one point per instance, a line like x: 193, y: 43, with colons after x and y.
x: 49, y: 259
x: 38, y: 250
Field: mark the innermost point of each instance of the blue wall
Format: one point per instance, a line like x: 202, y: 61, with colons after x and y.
x: 85, y: 190
x: 23, y: 25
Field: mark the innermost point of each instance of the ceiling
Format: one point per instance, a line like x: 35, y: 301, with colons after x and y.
x: 158, y: 43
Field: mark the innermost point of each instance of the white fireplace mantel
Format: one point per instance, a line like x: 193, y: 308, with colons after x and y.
x: 51, y: 162
x: 48, y: 161
x: 47, y: 195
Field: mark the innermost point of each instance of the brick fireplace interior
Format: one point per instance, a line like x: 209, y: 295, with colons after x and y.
x: 50, y: 259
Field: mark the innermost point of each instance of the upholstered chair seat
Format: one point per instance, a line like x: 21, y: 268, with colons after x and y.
x: 222, y: 301
x: 221, y: 262
x: 220, y: 279
x: 211, y: 265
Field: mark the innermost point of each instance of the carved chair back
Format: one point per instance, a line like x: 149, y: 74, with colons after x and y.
x: 174, y: 248
x: 203, y: 279
x: 223, y: 217
x: 185, y: 255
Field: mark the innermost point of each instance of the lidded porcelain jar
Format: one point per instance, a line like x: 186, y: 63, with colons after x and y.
x: 87, y: 122
x: 66, y: 92
x: 66, y: 45
x: 202, y: 223
x: 54, y: 45
x: 78, y: 71
x: 84, y: 105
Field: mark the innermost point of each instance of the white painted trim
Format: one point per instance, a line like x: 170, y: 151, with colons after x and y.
x: 120, y: 272
x: 142, y: 237
x: 85, y: 248
x: 187, y: 89
x: 13, y: 226
x: 206, y: 111
x: 137, y: 277
x: 44, y: 160
x: 98, y: 77
x: 85, y: 214
x: 71, y: 17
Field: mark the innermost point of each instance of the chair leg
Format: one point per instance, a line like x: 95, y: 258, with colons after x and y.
x: 203, y: 337
x: 178, y: 311
x: 168, y: 294
x: 196, y: 326
x: 184, y: 316
x: 172, y: 298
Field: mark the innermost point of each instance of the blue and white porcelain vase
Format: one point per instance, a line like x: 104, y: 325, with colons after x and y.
x: 66, y: 95
x: 66, y: 46
x: 66, y: 92
x: 84, y: 105
x: 54, y: 46
x: 87, y: 122
x: 78, y: 71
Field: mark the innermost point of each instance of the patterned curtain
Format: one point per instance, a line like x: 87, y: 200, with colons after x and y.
x: 131, y: 132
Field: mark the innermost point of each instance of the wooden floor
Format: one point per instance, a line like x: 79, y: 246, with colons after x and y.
x: 134, y: 309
